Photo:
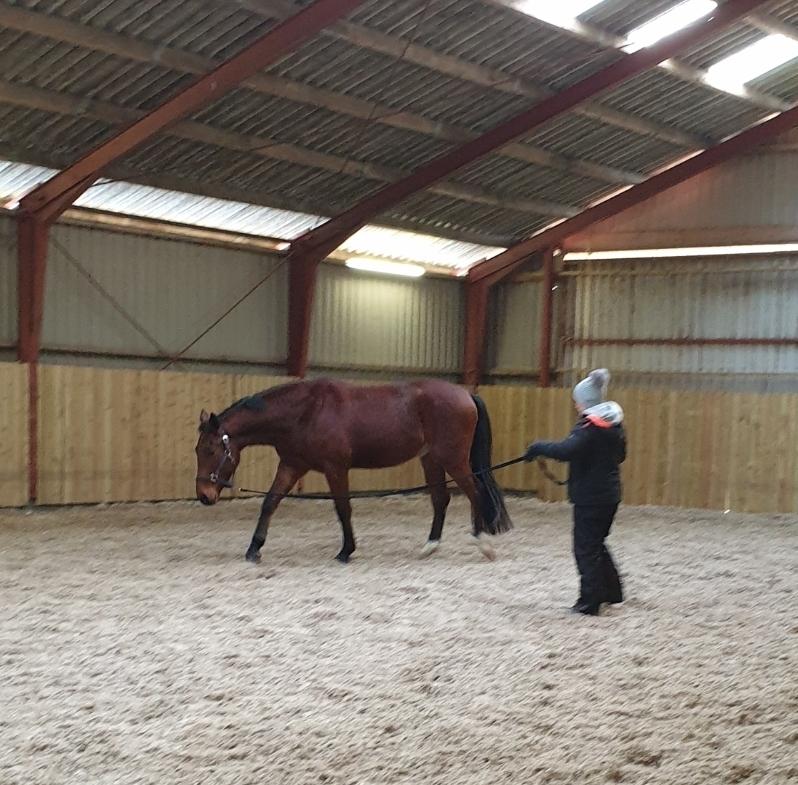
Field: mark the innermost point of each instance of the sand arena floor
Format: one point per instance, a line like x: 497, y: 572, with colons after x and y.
x: 136, y: 646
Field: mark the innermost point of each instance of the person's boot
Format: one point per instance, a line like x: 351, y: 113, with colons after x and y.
x: 586, y: 609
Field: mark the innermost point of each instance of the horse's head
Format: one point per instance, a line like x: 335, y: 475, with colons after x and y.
x: 217, y: 458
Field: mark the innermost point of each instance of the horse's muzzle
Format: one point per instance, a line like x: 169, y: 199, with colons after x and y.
x: 207, y: 494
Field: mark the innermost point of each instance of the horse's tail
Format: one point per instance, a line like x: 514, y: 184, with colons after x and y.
x: 494, y: 518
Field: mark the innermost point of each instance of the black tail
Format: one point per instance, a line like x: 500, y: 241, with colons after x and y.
x: 495, y: 518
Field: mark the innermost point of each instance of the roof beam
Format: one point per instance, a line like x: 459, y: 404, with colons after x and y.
x: 325, y: 238
x: 51, y: 101
x: 277, y: 42
x: 64, y: 31
x: 499, y: 267
x: 492, y: 78
x: 218, y: 190
x: 684, y: 71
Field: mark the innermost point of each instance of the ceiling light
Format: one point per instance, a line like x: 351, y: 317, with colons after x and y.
x: 561, y: 13
x: 768, y: 53
x: 666, y: 253
x: 386, y: 268
x: 673, y: 19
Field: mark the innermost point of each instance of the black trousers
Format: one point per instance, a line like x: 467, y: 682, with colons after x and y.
x: 598, y: 577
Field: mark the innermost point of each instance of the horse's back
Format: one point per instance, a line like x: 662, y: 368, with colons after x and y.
x: 387, y: 424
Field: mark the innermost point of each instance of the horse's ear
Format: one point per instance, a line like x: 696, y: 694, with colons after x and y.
x: 204, y: 417
x: 214, y: 423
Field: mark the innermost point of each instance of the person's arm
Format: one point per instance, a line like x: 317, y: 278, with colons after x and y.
x: 622, y: 447
x: 566, y: 450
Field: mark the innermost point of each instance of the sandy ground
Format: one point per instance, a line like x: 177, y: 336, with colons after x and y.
x: 136, y: 646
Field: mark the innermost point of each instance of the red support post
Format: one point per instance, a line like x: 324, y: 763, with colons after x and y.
x: 546, y: 317
x: 302, y: 275
x: 499, y: 267
x: 33, y: 432
x: 475, y: 330
x: 272, y: 45
x: 32, y: 236
x: 325, y: 238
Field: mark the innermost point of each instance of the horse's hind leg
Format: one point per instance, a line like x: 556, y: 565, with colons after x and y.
x: 465, y: 480
x: 435, y: 477
x: 284, y: 480
x: 338, y: 480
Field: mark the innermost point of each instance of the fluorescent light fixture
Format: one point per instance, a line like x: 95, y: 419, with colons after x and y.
x: 561, y: 13
x: 671, y: 253
x: 282, y: 246
x: 734, y: 71
x: 669, y: 22
x: 386, y: 268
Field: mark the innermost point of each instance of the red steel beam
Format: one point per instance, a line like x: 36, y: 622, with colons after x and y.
x: 277, y: 42
x: 546, y: 317
x: 475, y: 330
x: 319, y: 242
x: 499, y: 267
x: 301, y: 289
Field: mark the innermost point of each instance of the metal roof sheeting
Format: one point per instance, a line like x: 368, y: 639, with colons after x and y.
x: 519, y: 58
x: 156, y: 203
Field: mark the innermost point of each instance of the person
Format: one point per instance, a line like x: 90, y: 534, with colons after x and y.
x: 594, y: 450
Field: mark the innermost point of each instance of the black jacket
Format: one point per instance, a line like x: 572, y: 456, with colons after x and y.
x: 594, y: 453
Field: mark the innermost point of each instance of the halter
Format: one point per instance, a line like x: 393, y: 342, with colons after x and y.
x: 214, y: 476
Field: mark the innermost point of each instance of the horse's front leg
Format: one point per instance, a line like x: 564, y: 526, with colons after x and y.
x: 284, y: 480
x: 338, y: 480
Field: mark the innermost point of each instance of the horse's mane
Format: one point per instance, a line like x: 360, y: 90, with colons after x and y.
x: 252, y: 402
x: 255, y: 402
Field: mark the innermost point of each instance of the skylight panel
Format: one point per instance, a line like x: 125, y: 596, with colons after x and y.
x: 562, y: 13
x: 667, y: 23
x: 735, y: 71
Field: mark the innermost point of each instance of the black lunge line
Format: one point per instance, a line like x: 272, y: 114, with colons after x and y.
x: 394, y: 491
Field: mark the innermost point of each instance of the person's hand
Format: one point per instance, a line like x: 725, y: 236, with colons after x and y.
x: 531, y: 452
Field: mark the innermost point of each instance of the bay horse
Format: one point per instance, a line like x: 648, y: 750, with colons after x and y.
x: 331, y: 427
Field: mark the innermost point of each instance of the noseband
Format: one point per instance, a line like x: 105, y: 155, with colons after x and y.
x: 214, y: 476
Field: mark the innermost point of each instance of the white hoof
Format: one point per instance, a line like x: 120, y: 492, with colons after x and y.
x: 485, y: 547
x: 429, y: 548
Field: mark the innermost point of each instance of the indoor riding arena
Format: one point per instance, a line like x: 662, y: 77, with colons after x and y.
x: 364, y: 253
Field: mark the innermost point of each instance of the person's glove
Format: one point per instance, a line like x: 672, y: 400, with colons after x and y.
x: 531, y: 452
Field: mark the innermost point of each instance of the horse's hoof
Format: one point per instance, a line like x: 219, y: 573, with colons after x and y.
x: 485, y: 547
x: 343, y: 557
x: 430, y: 546
x: 253, y: 557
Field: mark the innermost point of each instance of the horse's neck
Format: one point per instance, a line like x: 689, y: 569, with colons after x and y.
x: 267, y: 426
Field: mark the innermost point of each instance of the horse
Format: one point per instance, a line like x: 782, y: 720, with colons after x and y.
x: 331, y: 426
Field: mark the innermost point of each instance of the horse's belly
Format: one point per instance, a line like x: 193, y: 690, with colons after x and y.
x: 386, y: 452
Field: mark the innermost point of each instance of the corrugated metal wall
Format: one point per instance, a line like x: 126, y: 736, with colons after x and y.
x: 173, y: 289
x: 733, y: 298
x: 513, y: 346
x: 756, y: 190
x: 373, y: 326
x: 363, y: 325
x: 8, y: 281
x: 364, y: 322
